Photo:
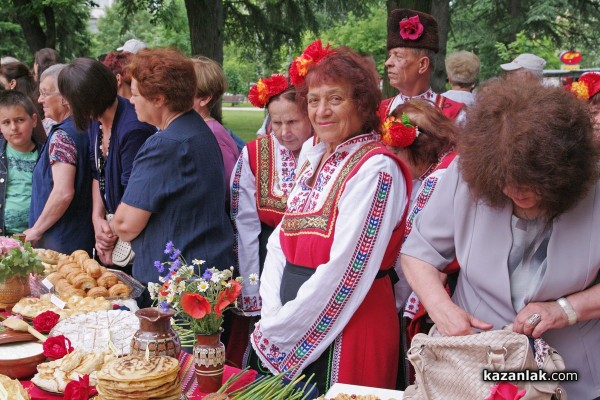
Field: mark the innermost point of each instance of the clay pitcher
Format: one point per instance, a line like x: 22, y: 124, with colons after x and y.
x: 155, y: 334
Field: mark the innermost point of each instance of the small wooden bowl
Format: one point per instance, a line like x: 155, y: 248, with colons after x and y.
x: 22, y: 367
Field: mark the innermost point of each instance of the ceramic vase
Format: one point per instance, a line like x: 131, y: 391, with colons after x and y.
x: 12, y: 290
x: 155, y: 336
x: 209, y: 356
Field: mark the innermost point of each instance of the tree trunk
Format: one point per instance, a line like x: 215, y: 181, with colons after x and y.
x: 440, y: 10
x: 32, y: 30
x: 515, y: 14
x: 206, y: 22
x: 50, y: 27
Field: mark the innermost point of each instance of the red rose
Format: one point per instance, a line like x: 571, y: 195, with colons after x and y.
x: 194, y: 305
x: 411, y: 28
x: 80, y: 390
x: 57, y: 347
x: 506, y: 391
x: 45, y: 321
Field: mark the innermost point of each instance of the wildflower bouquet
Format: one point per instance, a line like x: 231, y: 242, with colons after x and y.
x: 17, y: 259
x: 198, y: 300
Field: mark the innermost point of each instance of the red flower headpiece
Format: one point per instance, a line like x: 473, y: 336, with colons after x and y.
x: 260, y: 94
x: 587, y: 86
x: 311, y: 56
x: 398, y: 132
x: 411, y: 28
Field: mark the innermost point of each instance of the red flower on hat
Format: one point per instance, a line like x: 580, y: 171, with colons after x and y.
x: 260, y: 94
x: 398, y: 132
x: 311, y: 56
x: 411, y: 28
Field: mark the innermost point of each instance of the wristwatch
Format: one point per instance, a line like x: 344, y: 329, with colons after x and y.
x: 568, y: 309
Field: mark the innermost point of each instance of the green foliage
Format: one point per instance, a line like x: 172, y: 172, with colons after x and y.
x: 234, y: 82
x: 172, y: 30
x: 487, y: 28
x: 72, y: 39
x: 18, y: 261
x: 364, y: 34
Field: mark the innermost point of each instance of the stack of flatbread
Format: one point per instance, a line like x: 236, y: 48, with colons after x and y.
x: 54, y: 376
x: 134, y: 377
x: 11, y: 389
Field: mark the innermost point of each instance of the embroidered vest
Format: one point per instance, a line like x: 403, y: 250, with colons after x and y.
x: 306, y: 238
x: 270, y: 205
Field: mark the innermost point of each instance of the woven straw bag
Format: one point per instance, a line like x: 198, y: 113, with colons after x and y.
x: 451, y: 367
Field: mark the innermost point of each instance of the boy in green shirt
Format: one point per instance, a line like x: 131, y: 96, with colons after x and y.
x: 18, y: 155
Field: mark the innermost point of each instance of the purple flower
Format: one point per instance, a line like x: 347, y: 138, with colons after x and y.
x: 207, y: 275
x: 175, y: 266
x: 169, y: 247
x: 164, y: 306
x: 176, y: 254
x: 159, y: 267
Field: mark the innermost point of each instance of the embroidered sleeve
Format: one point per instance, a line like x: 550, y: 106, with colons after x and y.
x: 297, y: 333
x: 431, y: 237
x: 62, y: 149
x: 246, y: 224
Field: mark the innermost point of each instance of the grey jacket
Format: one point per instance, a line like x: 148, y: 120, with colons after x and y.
x: 453, y: 224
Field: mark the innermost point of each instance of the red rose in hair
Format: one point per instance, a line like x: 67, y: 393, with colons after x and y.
x: 411, y: 28
x: 80, y: 389
x: 45, y: 321
x: 195, y: 305
x: 260, y: 94
x: 312, y: 55
x: 57, y: 347
x: 506, y: 391
x: 398, y: 132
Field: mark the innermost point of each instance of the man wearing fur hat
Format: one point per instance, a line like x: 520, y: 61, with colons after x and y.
x: 412, y: 42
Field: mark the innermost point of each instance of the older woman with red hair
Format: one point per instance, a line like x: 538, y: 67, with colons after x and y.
x: 326, y: 287
x: 176, y: 190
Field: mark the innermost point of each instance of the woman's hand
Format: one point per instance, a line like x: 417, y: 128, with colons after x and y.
x: 32, y: 235
x: 551, y: 315
x: 451, y: 320
x: 105, y: 256
x: 105, y: 238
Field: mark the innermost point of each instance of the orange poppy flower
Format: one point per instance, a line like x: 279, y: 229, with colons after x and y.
x: 194, y: 305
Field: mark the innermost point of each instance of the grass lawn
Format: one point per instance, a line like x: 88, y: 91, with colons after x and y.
x: 243, y: 123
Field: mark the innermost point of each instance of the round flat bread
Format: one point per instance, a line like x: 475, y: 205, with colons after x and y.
x: 136, y: 368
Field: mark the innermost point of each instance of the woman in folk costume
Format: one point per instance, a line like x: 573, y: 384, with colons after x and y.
x: 327, y: 299
x: 587, y: 88
x: 260, y: 183
x: 518, y: 209
x: 419, y: 134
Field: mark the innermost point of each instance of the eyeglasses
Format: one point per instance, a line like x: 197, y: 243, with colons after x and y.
x: 44, y: 95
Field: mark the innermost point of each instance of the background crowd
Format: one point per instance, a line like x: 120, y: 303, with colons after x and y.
x: 477, y: 205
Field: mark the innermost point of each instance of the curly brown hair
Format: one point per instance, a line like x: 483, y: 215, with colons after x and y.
x: 345, y: 66
x: 437, y: 132
x: 165, y: 71
x: 522, y: 133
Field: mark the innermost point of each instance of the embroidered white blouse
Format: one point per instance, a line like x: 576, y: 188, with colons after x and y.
x: 289, y: 325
